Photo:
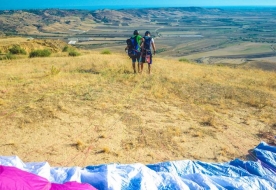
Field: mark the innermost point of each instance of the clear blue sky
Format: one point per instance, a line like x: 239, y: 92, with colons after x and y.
x: 23, y: 4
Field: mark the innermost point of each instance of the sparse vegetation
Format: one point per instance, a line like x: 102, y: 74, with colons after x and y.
x: 16, y: 49
x: 208, y: 121
x: 106, y: 51
x: 68, y: 48
x: 80, y: 145
x: 268, y: 134
x: 40, y: 53
x: 54, y: 71
x: 65, y: 49
x: 104, y: 150
x: 161, y: 50
x: 8, y: 56
x: 184, y: 60
x: 73, y: 53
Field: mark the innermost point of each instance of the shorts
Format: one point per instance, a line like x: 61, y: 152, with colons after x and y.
x: 136, y: 58
x: 146, y: 57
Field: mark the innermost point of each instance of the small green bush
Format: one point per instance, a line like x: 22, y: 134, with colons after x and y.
x: 40, y: 53
x: 65, y: 49
x: 16, y: 49
x: 8, y: 56
x: 184, y: 60
x: 106, y: 51
x: 74, y: 53
x: 68, y: 48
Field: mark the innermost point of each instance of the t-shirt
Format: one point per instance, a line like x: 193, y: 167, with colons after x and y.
x: 151, y: 41
x: 138, y: 40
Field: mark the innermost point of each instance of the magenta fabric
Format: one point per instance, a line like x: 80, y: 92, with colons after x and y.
x: 16, y: 179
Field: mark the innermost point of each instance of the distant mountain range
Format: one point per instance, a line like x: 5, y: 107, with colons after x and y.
x: 49, y: 20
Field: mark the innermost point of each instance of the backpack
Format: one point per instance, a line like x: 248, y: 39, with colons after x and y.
x: 146, y: 50
x: 147, y: 42
x: 133, y: 47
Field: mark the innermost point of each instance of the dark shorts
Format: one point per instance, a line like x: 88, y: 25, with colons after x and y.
x: 136, y: 58
x: 146, y: 57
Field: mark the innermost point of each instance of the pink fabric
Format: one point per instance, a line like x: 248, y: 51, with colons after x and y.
x: 14, y: 178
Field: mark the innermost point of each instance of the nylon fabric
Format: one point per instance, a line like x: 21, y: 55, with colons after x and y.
x: 256, y: 174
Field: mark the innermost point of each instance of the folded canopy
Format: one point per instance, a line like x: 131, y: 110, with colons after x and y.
x: 258, y: 174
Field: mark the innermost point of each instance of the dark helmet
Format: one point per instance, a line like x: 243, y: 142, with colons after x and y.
x: 136, y: 32
x: 147, y: 32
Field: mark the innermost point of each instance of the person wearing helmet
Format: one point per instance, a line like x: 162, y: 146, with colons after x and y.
x: 146, y: 55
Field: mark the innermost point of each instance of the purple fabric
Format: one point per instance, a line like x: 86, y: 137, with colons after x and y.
x: 14, y: 178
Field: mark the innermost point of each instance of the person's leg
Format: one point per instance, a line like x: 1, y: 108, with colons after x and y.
x: 133, y: 64
x: 138, y: 66
x: 141, y: 67
x: 138, y: 62
x: 142, y: 61
x: 149, y: 64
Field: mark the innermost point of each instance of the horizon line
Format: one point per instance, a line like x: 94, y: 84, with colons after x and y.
x: 118, y: 7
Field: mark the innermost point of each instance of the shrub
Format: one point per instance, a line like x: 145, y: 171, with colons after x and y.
x: 184, y: 60
x: 68, y: 48
x: 65, y: 49
x: 16, y: 49
x: 106, y: 51
x: 40, y: 53
x: 8, y: 56
x: 74, y: 53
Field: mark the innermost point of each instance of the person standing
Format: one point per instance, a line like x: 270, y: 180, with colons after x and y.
x: 134, y: 49
x: 146, y: 55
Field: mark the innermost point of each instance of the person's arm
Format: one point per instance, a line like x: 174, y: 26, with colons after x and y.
x: 140, y: 40
x: 153, y: 46
x: 142, y: 43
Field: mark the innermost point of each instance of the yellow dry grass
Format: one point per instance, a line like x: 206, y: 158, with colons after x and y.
x: 31, y: 44
x: 94, y: 110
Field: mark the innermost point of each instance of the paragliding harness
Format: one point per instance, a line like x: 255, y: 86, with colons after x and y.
x: 146, y: 53
x: 133, y: 47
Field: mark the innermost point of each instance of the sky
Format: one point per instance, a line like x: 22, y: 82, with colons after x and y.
x: 26, y: 4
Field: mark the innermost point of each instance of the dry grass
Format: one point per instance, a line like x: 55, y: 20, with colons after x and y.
x: 268, y: 133
x: 181, y: 111
x: 103, y: 150
x: 80, y: 145
x: 55, y: 46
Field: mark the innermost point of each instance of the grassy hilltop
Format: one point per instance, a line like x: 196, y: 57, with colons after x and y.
x: 92, y: 109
